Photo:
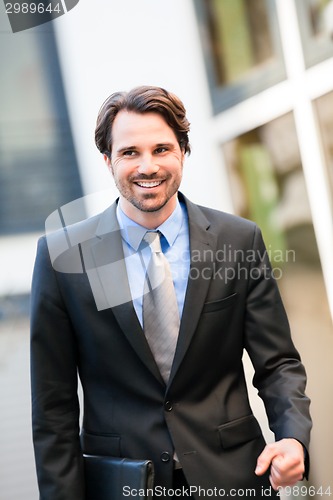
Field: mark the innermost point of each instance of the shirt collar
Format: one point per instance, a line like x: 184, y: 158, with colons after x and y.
x: 133, y: 233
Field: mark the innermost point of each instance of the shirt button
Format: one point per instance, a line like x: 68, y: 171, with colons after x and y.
x: 165, y: 457
x: 168, y: 406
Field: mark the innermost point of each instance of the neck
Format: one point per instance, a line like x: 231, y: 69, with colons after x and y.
x: 150, y: 220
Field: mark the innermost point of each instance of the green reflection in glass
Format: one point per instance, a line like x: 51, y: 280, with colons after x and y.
x: 268, y: 186
x: 240, y: 36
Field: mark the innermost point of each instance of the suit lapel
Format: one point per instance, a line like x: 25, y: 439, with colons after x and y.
x: 202, y: 243
x: 108, y: 280
x: 106, y: 269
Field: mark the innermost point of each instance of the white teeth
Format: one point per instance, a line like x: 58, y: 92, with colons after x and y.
x: 149, y: 184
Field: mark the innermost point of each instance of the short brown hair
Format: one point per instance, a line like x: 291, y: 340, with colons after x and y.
x: 142, y: 99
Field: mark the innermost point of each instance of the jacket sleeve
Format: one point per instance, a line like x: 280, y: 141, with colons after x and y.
x: 279, y: 374
x: 55, y: 405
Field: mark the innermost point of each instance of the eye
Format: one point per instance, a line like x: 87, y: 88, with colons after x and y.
x: 129, y: 152
x: 161, y: 149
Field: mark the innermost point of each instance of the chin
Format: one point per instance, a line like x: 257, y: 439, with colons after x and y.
x: 149, y: 205
x: 150, y: 208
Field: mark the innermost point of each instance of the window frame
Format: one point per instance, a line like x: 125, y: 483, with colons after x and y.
x: 315, y: 49
x: 226, y: 96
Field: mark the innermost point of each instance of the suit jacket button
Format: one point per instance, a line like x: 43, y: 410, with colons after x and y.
x: 165, y: 457
x: 168, y: 406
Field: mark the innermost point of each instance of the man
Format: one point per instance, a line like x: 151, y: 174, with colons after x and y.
x: 190, y: 415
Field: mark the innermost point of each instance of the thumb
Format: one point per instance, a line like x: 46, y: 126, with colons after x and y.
x: 265, y: 460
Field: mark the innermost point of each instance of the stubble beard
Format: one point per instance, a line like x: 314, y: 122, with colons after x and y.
x: 141, y: 204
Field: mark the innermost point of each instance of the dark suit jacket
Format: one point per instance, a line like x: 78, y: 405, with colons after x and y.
x: 83, y: 320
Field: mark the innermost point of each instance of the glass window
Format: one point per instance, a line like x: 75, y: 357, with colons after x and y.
x: 268, y: 186
x: 38, y: 168
x: 316, y: 26
x: 324, y: 106
x: 243, y: 52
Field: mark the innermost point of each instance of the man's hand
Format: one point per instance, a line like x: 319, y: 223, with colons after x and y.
x: 286, y: 458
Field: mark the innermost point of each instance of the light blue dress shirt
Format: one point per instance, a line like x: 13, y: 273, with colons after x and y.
x: 175, y: 246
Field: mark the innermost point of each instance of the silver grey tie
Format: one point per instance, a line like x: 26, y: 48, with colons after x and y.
x: 160, y: 309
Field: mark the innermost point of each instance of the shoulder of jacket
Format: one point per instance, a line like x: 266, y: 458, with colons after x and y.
x: 224, y: 218
x: 75, y: 233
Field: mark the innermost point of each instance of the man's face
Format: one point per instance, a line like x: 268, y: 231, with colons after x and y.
x: 146, y: 163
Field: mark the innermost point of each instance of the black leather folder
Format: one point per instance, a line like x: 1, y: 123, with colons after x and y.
x: 114, y: 478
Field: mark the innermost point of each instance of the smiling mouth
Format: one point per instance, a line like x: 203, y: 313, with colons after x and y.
x: 149, y: 184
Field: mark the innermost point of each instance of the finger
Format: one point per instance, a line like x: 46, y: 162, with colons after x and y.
x: 265, y: 460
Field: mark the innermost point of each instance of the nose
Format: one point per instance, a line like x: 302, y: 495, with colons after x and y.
x: 148, y: 165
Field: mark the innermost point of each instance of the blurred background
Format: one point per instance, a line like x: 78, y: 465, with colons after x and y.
x: 256, y: 77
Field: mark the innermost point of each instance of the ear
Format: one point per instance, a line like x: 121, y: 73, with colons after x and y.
x: 183, y: 156
x: 107, y: 160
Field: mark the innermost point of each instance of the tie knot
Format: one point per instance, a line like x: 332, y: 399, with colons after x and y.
x: 153, y: 240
